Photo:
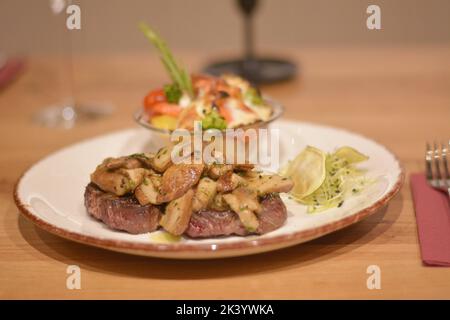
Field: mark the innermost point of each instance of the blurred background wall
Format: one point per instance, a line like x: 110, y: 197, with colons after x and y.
x: 28, y: 26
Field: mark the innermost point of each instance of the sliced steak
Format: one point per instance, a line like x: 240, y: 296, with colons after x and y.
x: 210, y: 223
x: 121, y: 213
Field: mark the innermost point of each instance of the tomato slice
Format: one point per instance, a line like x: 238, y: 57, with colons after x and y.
x: 155, y: 103
x: 155, y: 96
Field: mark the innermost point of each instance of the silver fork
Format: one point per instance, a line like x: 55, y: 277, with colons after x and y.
x: 437, y: 168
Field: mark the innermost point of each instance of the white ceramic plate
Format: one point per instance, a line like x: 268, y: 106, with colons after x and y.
x: 50, y: 194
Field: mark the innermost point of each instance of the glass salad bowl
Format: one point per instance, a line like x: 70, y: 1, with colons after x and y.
x: 143, y: 119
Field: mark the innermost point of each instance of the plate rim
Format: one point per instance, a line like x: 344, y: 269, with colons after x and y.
x: 158, y: 249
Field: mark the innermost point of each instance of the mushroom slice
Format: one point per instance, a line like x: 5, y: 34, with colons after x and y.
x: 247, y: 217
x: 178, y: 179
x: 122, y: 162
x: 229, y: 181
x: 146, y: 159
x: 218, y: 203
x: 112, y: 182
x: 252, y: 174
x: 217, y: 170
x: 147, y: 192
x: 162, y: 160
x: 269, y: 184
x: 247, y: 199
x: 204, y: 195
x: 244, y: 167
x: 135, y: 176
x: 178, y: 214
x: 156, y: 180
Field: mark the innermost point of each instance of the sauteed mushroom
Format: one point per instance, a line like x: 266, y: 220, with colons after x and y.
x: 183, y: 189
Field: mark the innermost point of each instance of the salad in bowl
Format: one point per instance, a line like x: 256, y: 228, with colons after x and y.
x: 220, y: 103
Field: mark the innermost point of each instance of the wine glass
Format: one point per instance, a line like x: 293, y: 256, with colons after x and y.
x: 69, y: 111
x: 258, y: 70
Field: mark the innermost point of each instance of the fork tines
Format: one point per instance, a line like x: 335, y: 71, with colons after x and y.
x: 437, y: 167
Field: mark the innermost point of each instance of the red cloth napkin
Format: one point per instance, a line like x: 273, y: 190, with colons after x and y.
x: 433, y: 221
x: 10, y: 71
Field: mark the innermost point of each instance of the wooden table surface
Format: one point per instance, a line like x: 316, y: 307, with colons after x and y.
x: 397, y: 96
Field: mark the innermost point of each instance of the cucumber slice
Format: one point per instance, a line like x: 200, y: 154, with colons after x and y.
x: 350, y: 155
x: 307, y: 171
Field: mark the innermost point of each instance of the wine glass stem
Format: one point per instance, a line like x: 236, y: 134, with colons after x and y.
x: 248, y: 37
x: 70, y: 66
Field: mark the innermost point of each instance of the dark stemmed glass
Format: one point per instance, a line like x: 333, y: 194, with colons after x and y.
x: 256, y: 69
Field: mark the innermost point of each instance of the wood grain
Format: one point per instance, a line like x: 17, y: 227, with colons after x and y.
x: 398, y: 96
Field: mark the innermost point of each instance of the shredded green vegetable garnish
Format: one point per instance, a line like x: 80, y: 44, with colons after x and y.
x: 213, y: 120
x: 179, y: 76
x: 342, y: 180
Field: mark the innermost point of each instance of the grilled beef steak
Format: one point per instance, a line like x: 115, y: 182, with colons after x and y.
x: 121, y: 213
x: 125, y: 213
x: 210, y: 223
